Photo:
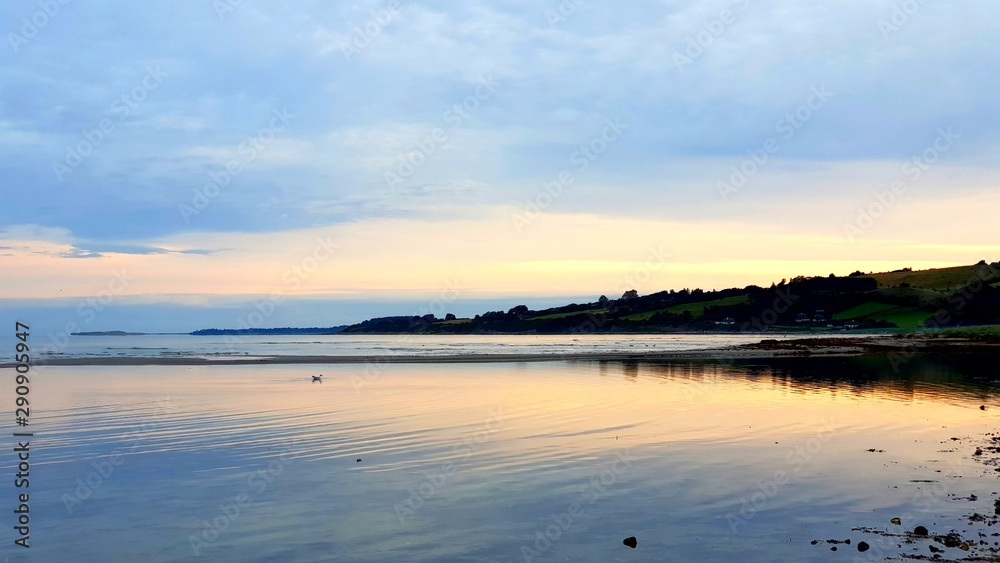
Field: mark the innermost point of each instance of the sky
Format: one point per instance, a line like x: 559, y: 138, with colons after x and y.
x: 181, y: 164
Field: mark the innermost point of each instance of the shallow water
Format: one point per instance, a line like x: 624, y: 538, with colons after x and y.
x: 700, y: 461
x: 217, y: 347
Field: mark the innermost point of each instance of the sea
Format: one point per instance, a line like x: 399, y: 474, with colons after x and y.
x: 229, y: 347
x: 793, y: 459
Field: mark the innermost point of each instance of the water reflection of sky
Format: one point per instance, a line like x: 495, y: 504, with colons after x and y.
x: 470, y: 462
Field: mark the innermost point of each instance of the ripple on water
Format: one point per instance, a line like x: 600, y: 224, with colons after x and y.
x: 674, y: 448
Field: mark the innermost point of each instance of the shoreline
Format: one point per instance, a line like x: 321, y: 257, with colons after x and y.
x: 766, y: 349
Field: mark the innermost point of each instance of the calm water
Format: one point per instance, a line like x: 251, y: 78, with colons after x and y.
x: 478, y: 462
x: 401, y: 345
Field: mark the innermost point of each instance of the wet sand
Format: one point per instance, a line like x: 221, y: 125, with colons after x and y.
x: 902, y: 347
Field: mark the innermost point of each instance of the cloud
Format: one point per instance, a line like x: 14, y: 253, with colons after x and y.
x: 79, y: 253
x: 556, y: 84
x: 14, y: 136
x: 49, y: 241
x: 140, y: 250
x: 179, y: 122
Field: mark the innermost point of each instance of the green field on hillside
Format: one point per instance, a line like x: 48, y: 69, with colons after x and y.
x: 942, y: 279
x: 903, y: 317
x: 697, y: 309
x: 912, y: 294
x: 564, y: 315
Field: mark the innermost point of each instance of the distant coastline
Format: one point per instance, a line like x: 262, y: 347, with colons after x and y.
x: 900, y: 301
x: 285, y: 331
x: 110, y: 333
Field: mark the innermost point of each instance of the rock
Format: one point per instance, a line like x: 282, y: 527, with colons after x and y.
x: 630, y: 541
x: 982, y: 407
x: 834, y: 548
x: 952, y: 540
x: 358, y: 460
x: 979, y: 451
x: 896, y: 521
x: 863, y: 546
x: 920, y: 531
x: 934, y: 549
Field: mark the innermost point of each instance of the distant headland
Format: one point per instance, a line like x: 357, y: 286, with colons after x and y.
x: 904, y: 299
x: 286, y: 331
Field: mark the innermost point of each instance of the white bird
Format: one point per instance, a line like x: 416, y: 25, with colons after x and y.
x: 318, y: 378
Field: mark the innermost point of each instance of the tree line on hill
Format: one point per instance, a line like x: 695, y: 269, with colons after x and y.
x: 801, y: 302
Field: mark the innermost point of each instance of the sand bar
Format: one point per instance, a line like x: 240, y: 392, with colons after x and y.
x: 814, y: 347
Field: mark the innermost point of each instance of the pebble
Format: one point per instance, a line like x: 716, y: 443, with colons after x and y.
x: 863, y: 546
x: 630, y: 541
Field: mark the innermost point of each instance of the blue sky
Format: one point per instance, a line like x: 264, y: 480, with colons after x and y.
x: 314, y: 112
